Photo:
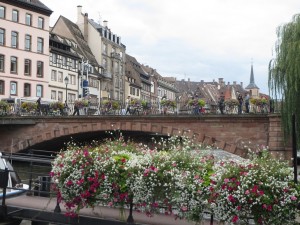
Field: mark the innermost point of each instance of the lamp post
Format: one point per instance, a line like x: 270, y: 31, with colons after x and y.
x: 66, y: 82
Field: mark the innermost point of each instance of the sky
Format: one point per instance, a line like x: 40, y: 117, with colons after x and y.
x: 192, y: 39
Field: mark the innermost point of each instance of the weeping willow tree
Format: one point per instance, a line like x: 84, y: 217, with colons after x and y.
x: 284, y: 74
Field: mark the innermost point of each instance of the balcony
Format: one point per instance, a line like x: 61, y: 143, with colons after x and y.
x: 116, y: 55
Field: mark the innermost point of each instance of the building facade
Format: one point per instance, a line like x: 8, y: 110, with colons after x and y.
x: 24, y: 49
x: 108, y: 51
x: 64, y: 84
x: 89, y: 71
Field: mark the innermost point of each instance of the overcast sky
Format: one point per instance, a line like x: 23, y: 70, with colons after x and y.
x: 195, y: 39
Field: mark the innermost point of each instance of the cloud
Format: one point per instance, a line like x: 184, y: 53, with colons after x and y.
x: 196, y: 39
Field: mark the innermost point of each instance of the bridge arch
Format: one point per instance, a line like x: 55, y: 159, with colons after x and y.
x: 229, y: 132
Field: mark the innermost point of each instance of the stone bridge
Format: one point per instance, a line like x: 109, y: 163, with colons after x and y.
x: 233, y: 133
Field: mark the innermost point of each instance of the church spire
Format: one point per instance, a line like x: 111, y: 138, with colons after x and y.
x: 252, y: 84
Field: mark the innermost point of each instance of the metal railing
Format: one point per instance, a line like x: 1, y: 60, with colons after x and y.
x: 155, y: 108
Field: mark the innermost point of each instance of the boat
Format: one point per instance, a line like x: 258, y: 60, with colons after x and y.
x: 14, y: 183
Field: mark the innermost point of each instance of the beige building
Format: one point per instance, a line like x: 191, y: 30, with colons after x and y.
x: 108, y: 51
x: 64, y: 83
x: 88, y: 67
x: 24, y: 49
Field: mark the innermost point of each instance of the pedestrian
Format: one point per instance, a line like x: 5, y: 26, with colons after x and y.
x: 196, y: 105
x: 247, y: 102
x: 76, y: 110
x: 39, y: 106
x: 240, y: 105
x: 221, y: 104
x: 127, y: 105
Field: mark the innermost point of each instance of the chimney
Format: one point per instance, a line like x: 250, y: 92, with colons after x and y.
x: 85, y: 27
x: 79, y: 10
x: 234, y: 82
x: 241, y: 84
x: 220, y: 80
x: 228, y: 83
x: 202, y: 81
x: 105, y: 23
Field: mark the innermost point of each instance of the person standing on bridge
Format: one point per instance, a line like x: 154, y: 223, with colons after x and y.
x: 221, y: 104
x: 39, y: 110
x: 240, y: 105
x: 76, y: 109
x: 127, y: 105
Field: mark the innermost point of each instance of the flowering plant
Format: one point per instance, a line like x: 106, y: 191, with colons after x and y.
x: 231, y: 103
x: 135, y: 103
x: 29, y: 106
x: 173, y: 178
x: 81, y: 103
x: 117, y: 173
x: 4, y: 105
x: 261, y: 188
x: 195, y: 102
x: 57, y: 105
x: 168, y: 103
x: 259, y: 101
x: 109, y: 104
x: 145, y: 104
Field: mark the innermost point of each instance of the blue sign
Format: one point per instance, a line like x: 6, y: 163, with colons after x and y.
x: 85, y: 83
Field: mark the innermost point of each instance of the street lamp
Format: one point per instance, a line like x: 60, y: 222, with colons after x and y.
x: 66, y: 82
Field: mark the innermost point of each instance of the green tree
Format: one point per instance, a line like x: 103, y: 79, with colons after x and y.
x: 284, y: 73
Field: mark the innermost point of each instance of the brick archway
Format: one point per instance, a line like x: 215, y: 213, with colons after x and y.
x: 231, y: 133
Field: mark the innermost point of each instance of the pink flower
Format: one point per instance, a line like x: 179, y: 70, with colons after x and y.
x: 226, y: 180
x: 235, y: 219
x: 247, y: 192
x: 69, y: 183
x: 174, y: 164
x: 261, y: 193
x: 184, y: 208
x: 231, y: 198
x: 110, y: 204
x: 293, y: 198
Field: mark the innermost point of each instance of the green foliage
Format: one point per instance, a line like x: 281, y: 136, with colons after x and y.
x: 29, y: 106
x: 4, y: 105
x: 57, y: 105
x: 284, y: 73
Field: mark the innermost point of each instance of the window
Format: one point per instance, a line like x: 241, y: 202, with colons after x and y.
x: 39, y: 90
x: 28, y: 18
x: 2, y: 85
x: 53, y: 95
x: 2, y: 63
x: 60, y: 77
x: 14, y: 39
x: 40, y: 69
x: 104, y: 63
x: 2, y: 12
x: 40, y: 45
x: 41, y: 23
x: 104, y: 48
x: 53, y: 75
x: 2, y: 36
x: 27, y: 67
x: 72, y: 79
x: 13, y: 64
x: 64, y: 61
x: 15, y: 15
x: 27, y: 42
x: 60, y: 96
x: 13, y: 88
x: 27, y: 90
x: 54, y: 58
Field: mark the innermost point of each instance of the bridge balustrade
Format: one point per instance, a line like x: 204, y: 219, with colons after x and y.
x: 155, y: 108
